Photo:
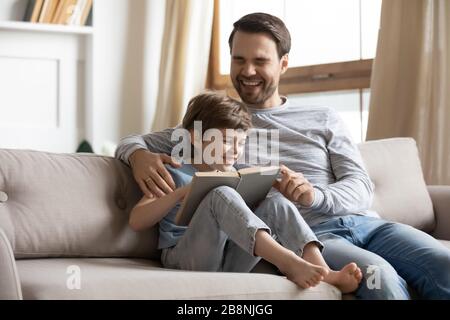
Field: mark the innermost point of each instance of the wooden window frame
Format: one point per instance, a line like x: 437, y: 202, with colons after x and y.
x: 346, y: 75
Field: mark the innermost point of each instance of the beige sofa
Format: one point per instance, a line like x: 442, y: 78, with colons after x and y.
x: 64, y: 232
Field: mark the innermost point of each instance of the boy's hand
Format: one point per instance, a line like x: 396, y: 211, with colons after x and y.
x: 295, y: 187
x: 150, y: 173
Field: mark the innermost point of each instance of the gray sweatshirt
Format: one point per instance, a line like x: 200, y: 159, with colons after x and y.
x: 311, y: 140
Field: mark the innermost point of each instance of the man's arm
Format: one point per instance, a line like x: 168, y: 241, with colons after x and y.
x: 157, y: 142
x: 146, y: 155
x: 353, y: 190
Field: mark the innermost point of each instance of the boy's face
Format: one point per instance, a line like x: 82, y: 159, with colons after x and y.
x: 233, y: 144
x: 256, y: 68
x: 221, y: 148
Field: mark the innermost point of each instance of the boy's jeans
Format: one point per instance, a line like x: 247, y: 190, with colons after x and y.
x: 221, y: 235
x: 389, y: 255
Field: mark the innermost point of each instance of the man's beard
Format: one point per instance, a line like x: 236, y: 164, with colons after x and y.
x: 258, y: 100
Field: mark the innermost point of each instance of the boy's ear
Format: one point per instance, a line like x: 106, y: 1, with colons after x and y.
x: 192, y: 134
x: 284, y: 63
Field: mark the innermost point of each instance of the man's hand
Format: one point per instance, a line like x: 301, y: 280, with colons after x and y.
x: 150, y: 173
x: 295, y: 187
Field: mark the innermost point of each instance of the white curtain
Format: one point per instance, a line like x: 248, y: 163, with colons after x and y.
x: 184, y: 58
x: 410, y: 87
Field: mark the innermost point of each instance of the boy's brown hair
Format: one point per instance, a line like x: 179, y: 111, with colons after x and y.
x: 218, y: 111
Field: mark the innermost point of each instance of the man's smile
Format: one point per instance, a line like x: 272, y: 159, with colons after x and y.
x: 250, y: 85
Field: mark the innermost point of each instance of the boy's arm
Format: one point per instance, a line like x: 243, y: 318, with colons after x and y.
x: 149, y: 211
x: 147, y: 155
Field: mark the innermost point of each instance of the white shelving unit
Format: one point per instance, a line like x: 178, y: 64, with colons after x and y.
x: 44, y: 27
x: 46, y: 82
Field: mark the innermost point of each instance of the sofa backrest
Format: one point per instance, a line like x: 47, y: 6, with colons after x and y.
x: 401, y: 194
x: 69, y: 205
x: 65, y: 205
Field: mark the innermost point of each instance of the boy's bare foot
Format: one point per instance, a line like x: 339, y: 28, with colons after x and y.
x: 347, y: 279
x: 303, y: 273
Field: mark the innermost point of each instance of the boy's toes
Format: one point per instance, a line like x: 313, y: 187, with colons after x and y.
x: 323, y: 271
x: 351, y: 268
x: 358, y: 276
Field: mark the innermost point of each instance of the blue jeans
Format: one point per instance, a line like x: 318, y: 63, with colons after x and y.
x: 221, y: 235
x: 390, y: 255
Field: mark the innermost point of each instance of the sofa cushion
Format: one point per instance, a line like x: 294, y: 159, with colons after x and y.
x: 144, y: 279
x: 400, y: 191
x: 64, y: 205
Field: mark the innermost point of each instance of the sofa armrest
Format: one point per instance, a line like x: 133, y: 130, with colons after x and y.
x: 440, y: 196
x: 9, y: 277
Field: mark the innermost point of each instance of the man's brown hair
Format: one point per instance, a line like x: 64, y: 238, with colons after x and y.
x: 264, y: 23
x: 218, y: 111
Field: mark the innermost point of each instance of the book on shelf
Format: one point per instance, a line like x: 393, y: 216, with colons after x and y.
x: 73, y: 12
x: 29, y: 10
x: 253, y: 184
x: 87, y: 13
x: 58, y: 10
x: 67, y: 12
x: 33, y: 10
x: 48, y: 11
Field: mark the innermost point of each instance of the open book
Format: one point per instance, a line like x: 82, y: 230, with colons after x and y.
x: 252, y: 184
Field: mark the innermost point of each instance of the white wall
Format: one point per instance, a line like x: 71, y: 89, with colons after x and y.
x: 127, y: 43
x: 12, y: 9
x: 122, y: 73
x: 42, y: 73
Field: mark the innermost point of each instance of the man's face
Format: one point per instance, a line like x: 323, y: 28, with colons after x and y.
x: 256, y: 69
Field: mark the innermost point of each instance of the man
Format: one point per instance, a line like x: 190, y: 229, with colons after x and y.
x: 326, y: 178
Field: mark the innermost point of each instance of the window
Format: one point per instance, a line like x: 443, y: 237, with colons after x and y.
x: 352, y: 106
x: 333, y: 46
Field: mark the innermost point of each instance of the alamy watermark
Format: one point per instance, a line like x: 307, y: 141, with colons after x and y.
x: 261, y: 147
x: 73, y: 281
x: 373, y: 277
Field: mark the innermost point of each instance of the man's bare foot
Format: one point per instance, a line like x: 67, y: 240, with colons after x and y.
x: 303, y: 273
x: 347, y: 279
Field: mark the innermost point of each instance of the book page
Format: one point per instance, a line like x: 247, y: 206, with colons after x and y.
x: 202, y: 184
x: 252, y: 184
x: 255, y: 184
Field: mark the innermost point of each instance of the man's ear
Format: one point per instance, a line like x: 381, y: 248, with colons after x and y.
x: 284, y: 63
